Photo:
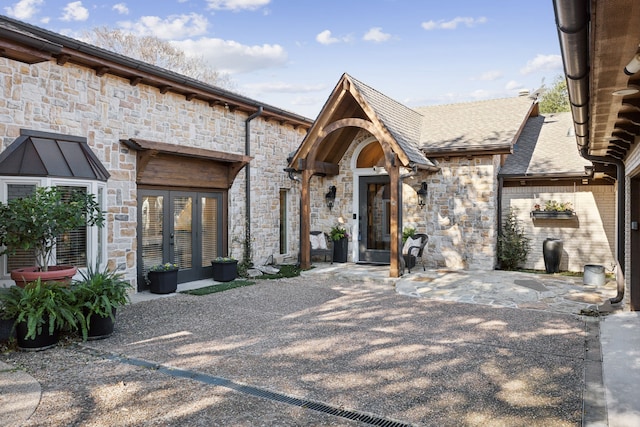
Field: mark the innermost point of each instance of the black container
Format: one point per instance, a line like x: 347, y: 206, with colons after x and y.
x: 552, y: 253
x: 340, y: 248
x: 101, y: 327
x: 40, y: 342
x: 225, y: 271
x: 163, y: 282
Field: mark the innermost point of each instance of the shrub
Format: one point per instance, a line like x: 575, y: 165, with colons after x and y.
x: 513, y: 245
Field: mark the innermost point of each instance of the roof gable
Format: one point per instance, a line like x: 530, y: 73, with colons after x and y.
x: 536, y: 153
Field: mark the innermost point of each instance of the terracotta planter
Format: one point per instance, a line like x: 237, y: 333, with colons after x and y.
x: 57, y: 273
x: 163, y: 282
x: 224, y: 271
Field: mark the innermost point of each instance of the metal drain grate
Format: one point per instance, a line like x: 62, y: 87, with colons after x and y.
x: 250, y: 390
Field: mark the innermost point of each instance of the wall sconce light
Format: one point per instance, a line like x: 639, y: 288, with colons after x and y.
x: 330, y: 197
x: 588, y: 170
x: 633, y: 66
x: 422, y: 195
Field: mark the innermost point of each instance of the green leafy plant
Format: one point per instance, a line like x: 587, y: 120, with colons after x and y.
x: 35, y: 222
x: 555, y: 206
x: 513, y: 245
x: 99, y: 292
x: 42, y: 304
x: 224, y: 259
x: 338, y: 232
x: 167, y: 266
x: 407, y: 232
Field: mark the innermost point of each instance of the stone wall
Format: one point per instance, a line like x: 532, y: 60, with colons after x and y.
x: 589, y: 238
x: 460, y: 216
x: 72, y: 100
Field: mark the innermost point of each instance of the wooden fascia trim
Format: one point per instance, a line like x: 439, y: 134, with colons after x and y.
x: 180, y: 150
x: 318, y: 168
x: 463, y: 152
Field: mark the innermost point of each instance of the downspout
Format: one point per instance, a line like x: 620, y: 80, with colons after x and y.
x: 573, y: 22
x: 247, y: 189
x: 620, y: 249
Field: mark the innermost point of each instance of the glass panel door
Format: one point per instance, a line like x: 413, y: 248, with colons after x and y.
x: 375, y: 220
x: 184, y: 228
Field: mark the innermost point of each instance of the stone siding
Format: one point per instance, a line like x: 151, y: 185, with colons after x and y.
x: 460, y: 216
x: 587, y: 239
x: 72, y: 100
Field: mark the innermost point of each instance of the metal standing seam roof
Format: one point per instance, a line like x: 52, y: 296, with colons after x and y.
x: 473, y: 125
x: 402, y: 122
x: 546, y: 147
x: 36, y: 153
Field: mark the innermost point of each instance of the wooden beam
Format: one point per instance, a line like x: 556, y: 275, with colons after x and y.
x: 392, y: 164
x: 632, y: 117
x: 101, y: 71
x: 164, y: 89
x: 189, y: 96
x: 135, y: 80
x: 62, y: 59
x: 319, y: 168
x: 305, y: 221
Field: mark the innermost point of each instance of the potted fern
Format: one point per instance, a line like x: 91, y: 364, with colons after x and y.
x: 99, y: 293
x: 39, y: 312
x: 34, y: 223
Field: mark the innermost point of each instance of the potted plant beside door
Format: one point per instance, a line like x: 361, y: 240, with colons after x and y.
x: 225, y: 269
x: 163, y: 278
x: 340, y: 239
x: 37, y: 223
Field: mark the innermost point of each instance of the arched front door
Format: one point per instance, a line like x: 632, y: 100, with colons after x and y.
x: 374, y: 219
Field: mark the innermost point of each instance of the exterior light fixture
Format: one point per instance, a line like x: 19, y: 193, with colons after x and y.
x: 422, y: 195
x: 330, y: 197
x: 633, y: 66
x: 588, y: 170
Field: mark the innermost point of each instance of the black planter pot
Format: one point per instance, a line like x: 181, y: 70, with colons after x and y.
x: 6, y: 329
x: 163, y: 282
x: 552, y: 253
x: 224, y: 271
x: 340, y: 248
x: 100, y: 327
x: 42, y: 341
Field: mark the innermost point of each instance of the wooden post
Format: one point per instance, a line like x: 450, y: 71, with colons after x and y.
x: 394, y: 183
x: 305, y: 219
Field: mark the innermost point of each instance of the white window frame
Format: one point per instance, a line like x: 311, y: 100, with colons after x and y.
x: 95, y: 235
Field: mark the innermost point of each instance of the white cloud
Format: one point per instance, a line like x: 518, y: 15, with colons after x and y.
x: 512, y: 85
x: 542, y: 62
x: 171, y: 28
x: 282, y: 87
x: 376, y: 35
x: 237, y: 5
x: 75, y: 11
x: 24, y: 9
x: 231, y: 57
x: 480, y: 94
x: 325, y: 38
x: 453, y: 24
x: 121, y: 8
x: 489, y: 76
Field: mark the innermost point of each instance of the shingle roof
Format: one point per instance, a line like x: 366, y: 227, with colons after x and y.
x: 546, y: 147
x: 401, y: 121
x: 473, y: 125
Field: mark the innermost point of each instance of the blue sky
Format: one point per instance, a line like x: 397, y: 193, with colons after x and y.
x: 291, y: 53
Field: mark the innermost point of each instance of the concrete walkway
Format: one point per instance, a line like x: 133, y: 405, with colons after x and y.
x: 620, y: 332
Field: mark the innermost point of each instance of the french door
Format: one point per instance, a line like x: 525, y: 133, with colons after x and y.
x: 179, y: 227
x: 374, y: 245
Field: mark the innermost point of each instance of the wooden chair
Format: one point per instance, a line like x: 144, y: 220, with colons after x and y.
x: 322, y: 251
x: 410, y: 258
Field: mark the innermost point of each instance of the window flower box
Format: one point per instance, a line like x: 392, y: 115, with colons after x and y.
x: 552, y: 214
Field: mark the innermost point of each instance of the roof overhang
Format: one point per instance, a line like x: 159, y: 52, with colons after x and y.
x: 598, y: 39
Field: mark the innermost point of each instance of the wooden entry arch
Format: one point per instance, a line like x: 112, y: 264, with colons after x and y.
x: 352, y: 107
x: 392, y: 165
